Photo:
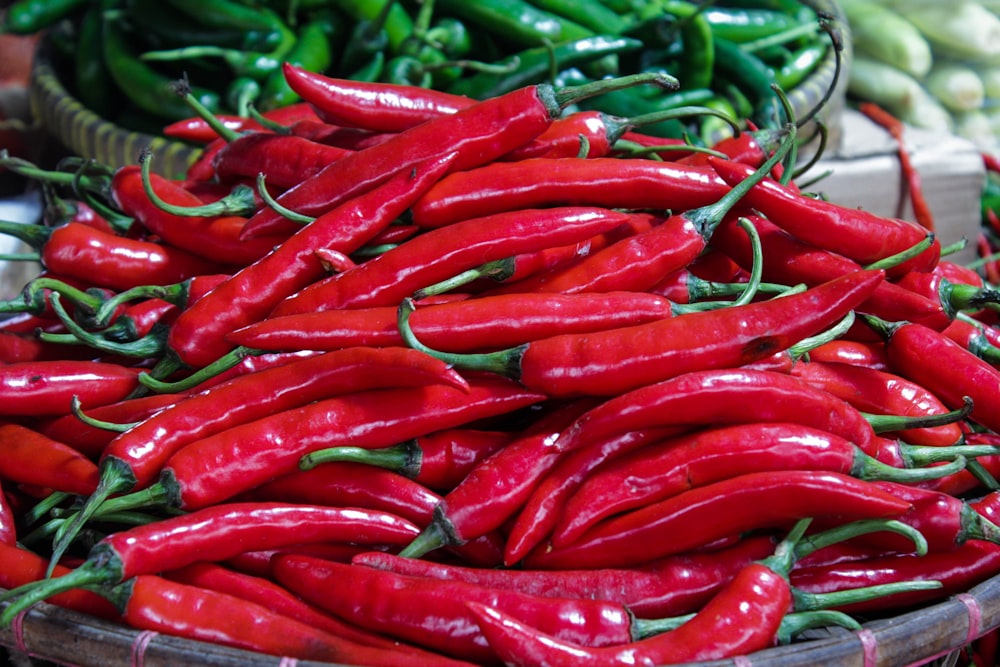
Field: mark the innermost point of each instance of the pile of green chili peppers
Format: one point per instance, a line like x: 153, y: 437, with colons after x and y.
x: 119, y: 57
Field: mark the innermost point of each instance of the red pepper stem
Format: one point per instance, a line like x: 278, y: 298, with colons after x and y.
x: 707, y: 218
x: 105, y: 569
x: 870, y: 468
x: 811, y: 543
x: 890, y: 423
x: 277, y: 206
x: 223, y: 363
x: 403, y: 458
x: 558, y: 99
x: 183, y: 89
x: 900, y: 257
x: 150, y: 346
x: 498, y: 270
x: 804, y: 601
x: 240, y: 201
x: 502, y: 362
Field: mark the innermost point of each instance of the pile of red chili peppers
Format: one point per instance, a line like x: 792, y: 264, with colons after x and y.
x: 465, y: 382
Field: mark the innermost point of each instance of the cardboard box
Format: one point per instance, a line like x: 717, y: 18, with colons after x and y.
x: 864, y: 172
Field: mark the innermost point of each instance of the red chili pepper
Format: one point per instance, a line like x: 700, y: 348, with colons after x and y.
x: 667, y: 587
x: 437, y: 255
x: 475, y: 135
x: 857, y: 353
x: 28, y: 457
x: 742, y: 618
x: 675, y: 465
x: 608, y: 182
x: 8, y: 525
x: 198, y: 335
x: 696, y: 517
x: 346, y: 484
x: 487, y: 322
x: 883, y: 393
x: 975, y: 339
x: 791, y: 261
x: 897, y: 130
x: 857, y: 234
x: 955, y: 373
x: 607, y: 363
x: 663, y: 148
x: 20, y: 566
x: 213, y: 534
x: 265, y: 592
x: 285, y: 160
x: 134, y: 459
x: 438, y: 460
x: 381, y: 107
x: 751, y: 148
x: 152, y: 603
x: 198, y: 130
x: 348, y: 138
x: 48, y: 387
x: 433, y: 612
x: 104, y: 259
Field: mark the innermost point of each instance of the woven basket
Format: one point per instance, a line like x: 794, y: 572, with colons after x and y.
x: 85, y: 134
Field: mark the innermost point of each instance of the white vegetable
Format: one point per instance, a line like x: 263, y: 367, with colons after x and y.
x: 959, y: 30
x: 957, y: 86
x: 990, y: 76
x: 977, y: 128
x: 897, y: 92
x: 886, y: 35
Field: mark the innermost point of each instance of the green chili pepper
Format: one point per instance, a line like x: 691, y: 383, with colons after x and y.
x: 744, y: 25
x: 588, y: 13
x: 686, y: 22
x: 228, y: 14
x: 754, y: 78
x: 451, y: 36
x: 164, y: 28
x: 93, y: 84
x: 241, y: 93
x: 368, y: 37
x: 801, y: 64
x: 312, y: 51
x: 370, y: 71
x: 534, y: 65
x: 26, y: 17
x: 398, y: 24
x: 407, y: 70
x: 517, y: 21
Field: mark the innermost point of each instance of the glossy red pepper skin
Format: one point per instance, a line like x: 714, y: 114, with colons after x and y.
x: 856, y: 353
x: 440, y: 254
x: 612, y: 362
x: 742, y: 618
x: 791, y: 261
x: 667, y: 587
x: 197, y: 337
x: 718, y: 397
x: 859, y: 235
x: 117, y: 262
x: 228, y: 463
x: 607, y: 182
x: 487, y: 322
x: 441, y: 460
x: 28, y: 457
x: 37, y: 388
x: 381, y: 107
x: 8, y: 524
x: 267, y: 593
x: 697, y: 517
x: 216, y: 239
x: 433, y: 613
x: 285, y: 160
x: 955, y: 373
x: 169, y: 607
x: 975, y: 339
x: 884, y: 393
x: 140, y: 453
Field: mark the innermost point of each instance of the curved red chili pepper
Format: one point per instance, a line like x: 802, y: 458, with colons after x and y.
x: 955, y: 373
x: 346, y: 484
x: 433, y: 612
x: 791, y: 261
x: 381, y: 107
x: 347, y: 138
x: 742, y: 618
x: 607, y: 363
x: 198, y: 130
x: 975, y: 339
x: 608, y: 182
x: 198, y: 335
x: 439, y: 254
x: 475, y: 135
x: 285, y: 160
x: 48, y: 387
x: 857, y: 353
x: 696, y: 517
x: 667, y: 587
x: 267, y: 593
x: 883, y: 393
x: 28, y: 457
x: 857, y: 234
x: 152, y: 603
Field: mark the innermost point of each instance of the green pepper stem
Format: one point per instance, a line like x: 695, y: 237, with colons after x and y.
x: 890, y: 423
x: 403, y: 458
x: 821, y: 540
x: 804, y: 601
x: 78, y: 412
x: 223, y: 363
x: 900, y: 257
x: 558, y: 99
x: 870, y: 468
x: 240, y: 200
x: 149, y: 346
x: 796, y: 622
x: 438, y: 533
x: 276, y: 205
x: 183, y: 89
x: 498, y: 270
x: 90, y: 573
